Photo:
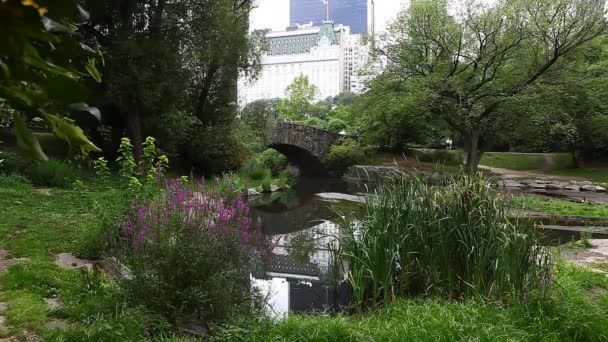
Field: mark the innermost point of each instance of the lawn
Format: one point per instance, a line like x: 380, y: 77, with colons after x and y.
x: 35, y: 226
x: 596, y: 174
x: 566, y: 314
x: 523, y: 161
x: 561, y: 207
x: 513, y: 161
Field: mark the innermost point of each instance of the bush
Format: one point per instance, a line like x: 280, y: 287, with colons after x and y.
x: 273, y: 160
x: 287, y: 178
x: 259, y: 173
x: 336, y: 125
x: 189, y: 252
x: 455, y: 242
x: 345, y: 155
x: 441, y: 156
x: 314, y: 121
x: 53, y: 173
x: 12, y: 162
x: 14, y: 181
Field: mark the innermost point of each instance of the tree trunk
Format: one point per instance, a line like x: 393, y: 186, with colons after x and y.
x: 576, y: 161
x: 134, y: 131
x: 471, y: 147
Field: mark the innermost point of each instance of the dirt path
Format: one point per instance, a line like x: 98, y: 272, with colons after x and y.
x: 549, y: 162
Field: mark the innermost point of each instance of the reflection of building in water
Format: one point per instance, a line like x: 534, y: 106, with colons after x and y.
x: 324, y: 238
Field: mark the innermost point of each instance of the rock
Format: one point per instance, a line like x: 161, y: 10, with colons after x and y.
x: 572, y: 187
x: 3, y: 306
x: 253, y: 192
x: 537, y: 186
x: 336, y: 196
x: 588, y: 188
x: 511, y: 184
x: 57, y: 324
x: 68, y: 260
x: 274, y: 188
x: 553, y: 186
x: 52, y: 303
x: 195, y: 327
x: 115, y: 268
x: 600, y: 189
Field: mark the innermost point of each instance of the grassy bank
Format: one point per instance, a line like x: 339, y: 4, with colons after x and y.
x: 595, y: 174
x: 37, y: 224
x: 561, y: 207
x: 576, y: 310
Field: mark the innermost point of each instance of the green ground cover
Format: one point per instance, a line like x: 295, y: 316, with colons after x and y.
x: 598, y: 174
x: 561, y: 207
x: 573, y: 313
x: 513, y: 161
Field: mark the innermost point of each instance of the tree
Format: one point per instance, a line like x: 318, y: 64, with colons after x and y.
x: 472, y: 63
x: 299, y: 102
x: 41, y: 68
x: 260, y: 116
x: 167, y: 56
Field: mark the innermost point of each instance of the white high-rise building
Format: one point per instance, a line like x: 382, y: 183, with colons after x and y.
x: 312, y: 51
x: 333, y: 60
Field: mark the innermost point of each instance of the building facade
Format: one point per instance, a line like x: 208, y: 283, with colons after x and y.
x: 312, y: 51
x: 352, y: 13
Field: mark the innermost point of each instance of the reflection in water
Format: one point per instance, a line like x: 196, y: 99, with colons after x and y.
x: 300, y: 275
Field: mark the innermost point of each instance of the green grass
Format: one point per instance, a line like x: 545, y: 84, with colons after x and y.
x: 513, y: 161
x: 561, y: 207
x: 574, y: 308
x: 597, y: 175
x: 34, y: 226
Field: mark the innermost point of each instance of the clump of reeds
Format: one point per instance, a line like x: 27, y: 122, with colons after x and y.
x: 456, y: 242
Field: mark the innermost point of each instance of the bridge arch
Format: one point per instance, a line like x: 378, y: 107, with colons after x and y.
x: 304, y: 145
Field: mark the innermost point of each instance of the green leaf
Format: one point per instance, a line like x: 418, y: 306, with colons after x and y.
x: 93, y: 70
x: 26, y: 140
x: 31, y: 57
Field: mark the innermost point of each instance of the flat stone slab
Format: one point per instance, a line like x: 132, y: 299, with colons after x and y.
x: 69, y: 261
x: 336, y: 197
x: 52, y: 303
x: 57, y: 324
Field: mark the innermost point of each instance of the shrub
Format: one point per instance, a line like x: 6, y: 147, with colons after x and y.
x: 314, y: 121
x: 442, y: 157
x: 456, y: 242
x: 273, y: 160
x: 14, y: 181
x: 53, y: 173
x: 12, y: 162
x: 336, y: 125
x: 287, y: 178
x: 266, y: 184
x: 259, y: 173
x: 342, y: 156
x: 189, y: 252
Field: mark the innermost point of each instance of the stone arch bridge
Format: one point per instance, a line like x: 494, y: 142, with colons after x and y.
x: 305, y: 146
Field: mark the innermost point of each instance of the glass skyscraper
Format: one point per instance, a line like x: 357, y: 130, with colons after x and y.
x: 351, y: 13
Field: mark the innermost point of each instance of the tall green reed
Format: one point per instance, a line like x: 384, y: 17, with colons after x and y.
x: 456, y: 242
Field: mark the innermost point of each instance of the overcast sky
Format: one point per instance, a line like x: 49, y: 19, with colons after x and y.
x: 274, y: 14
